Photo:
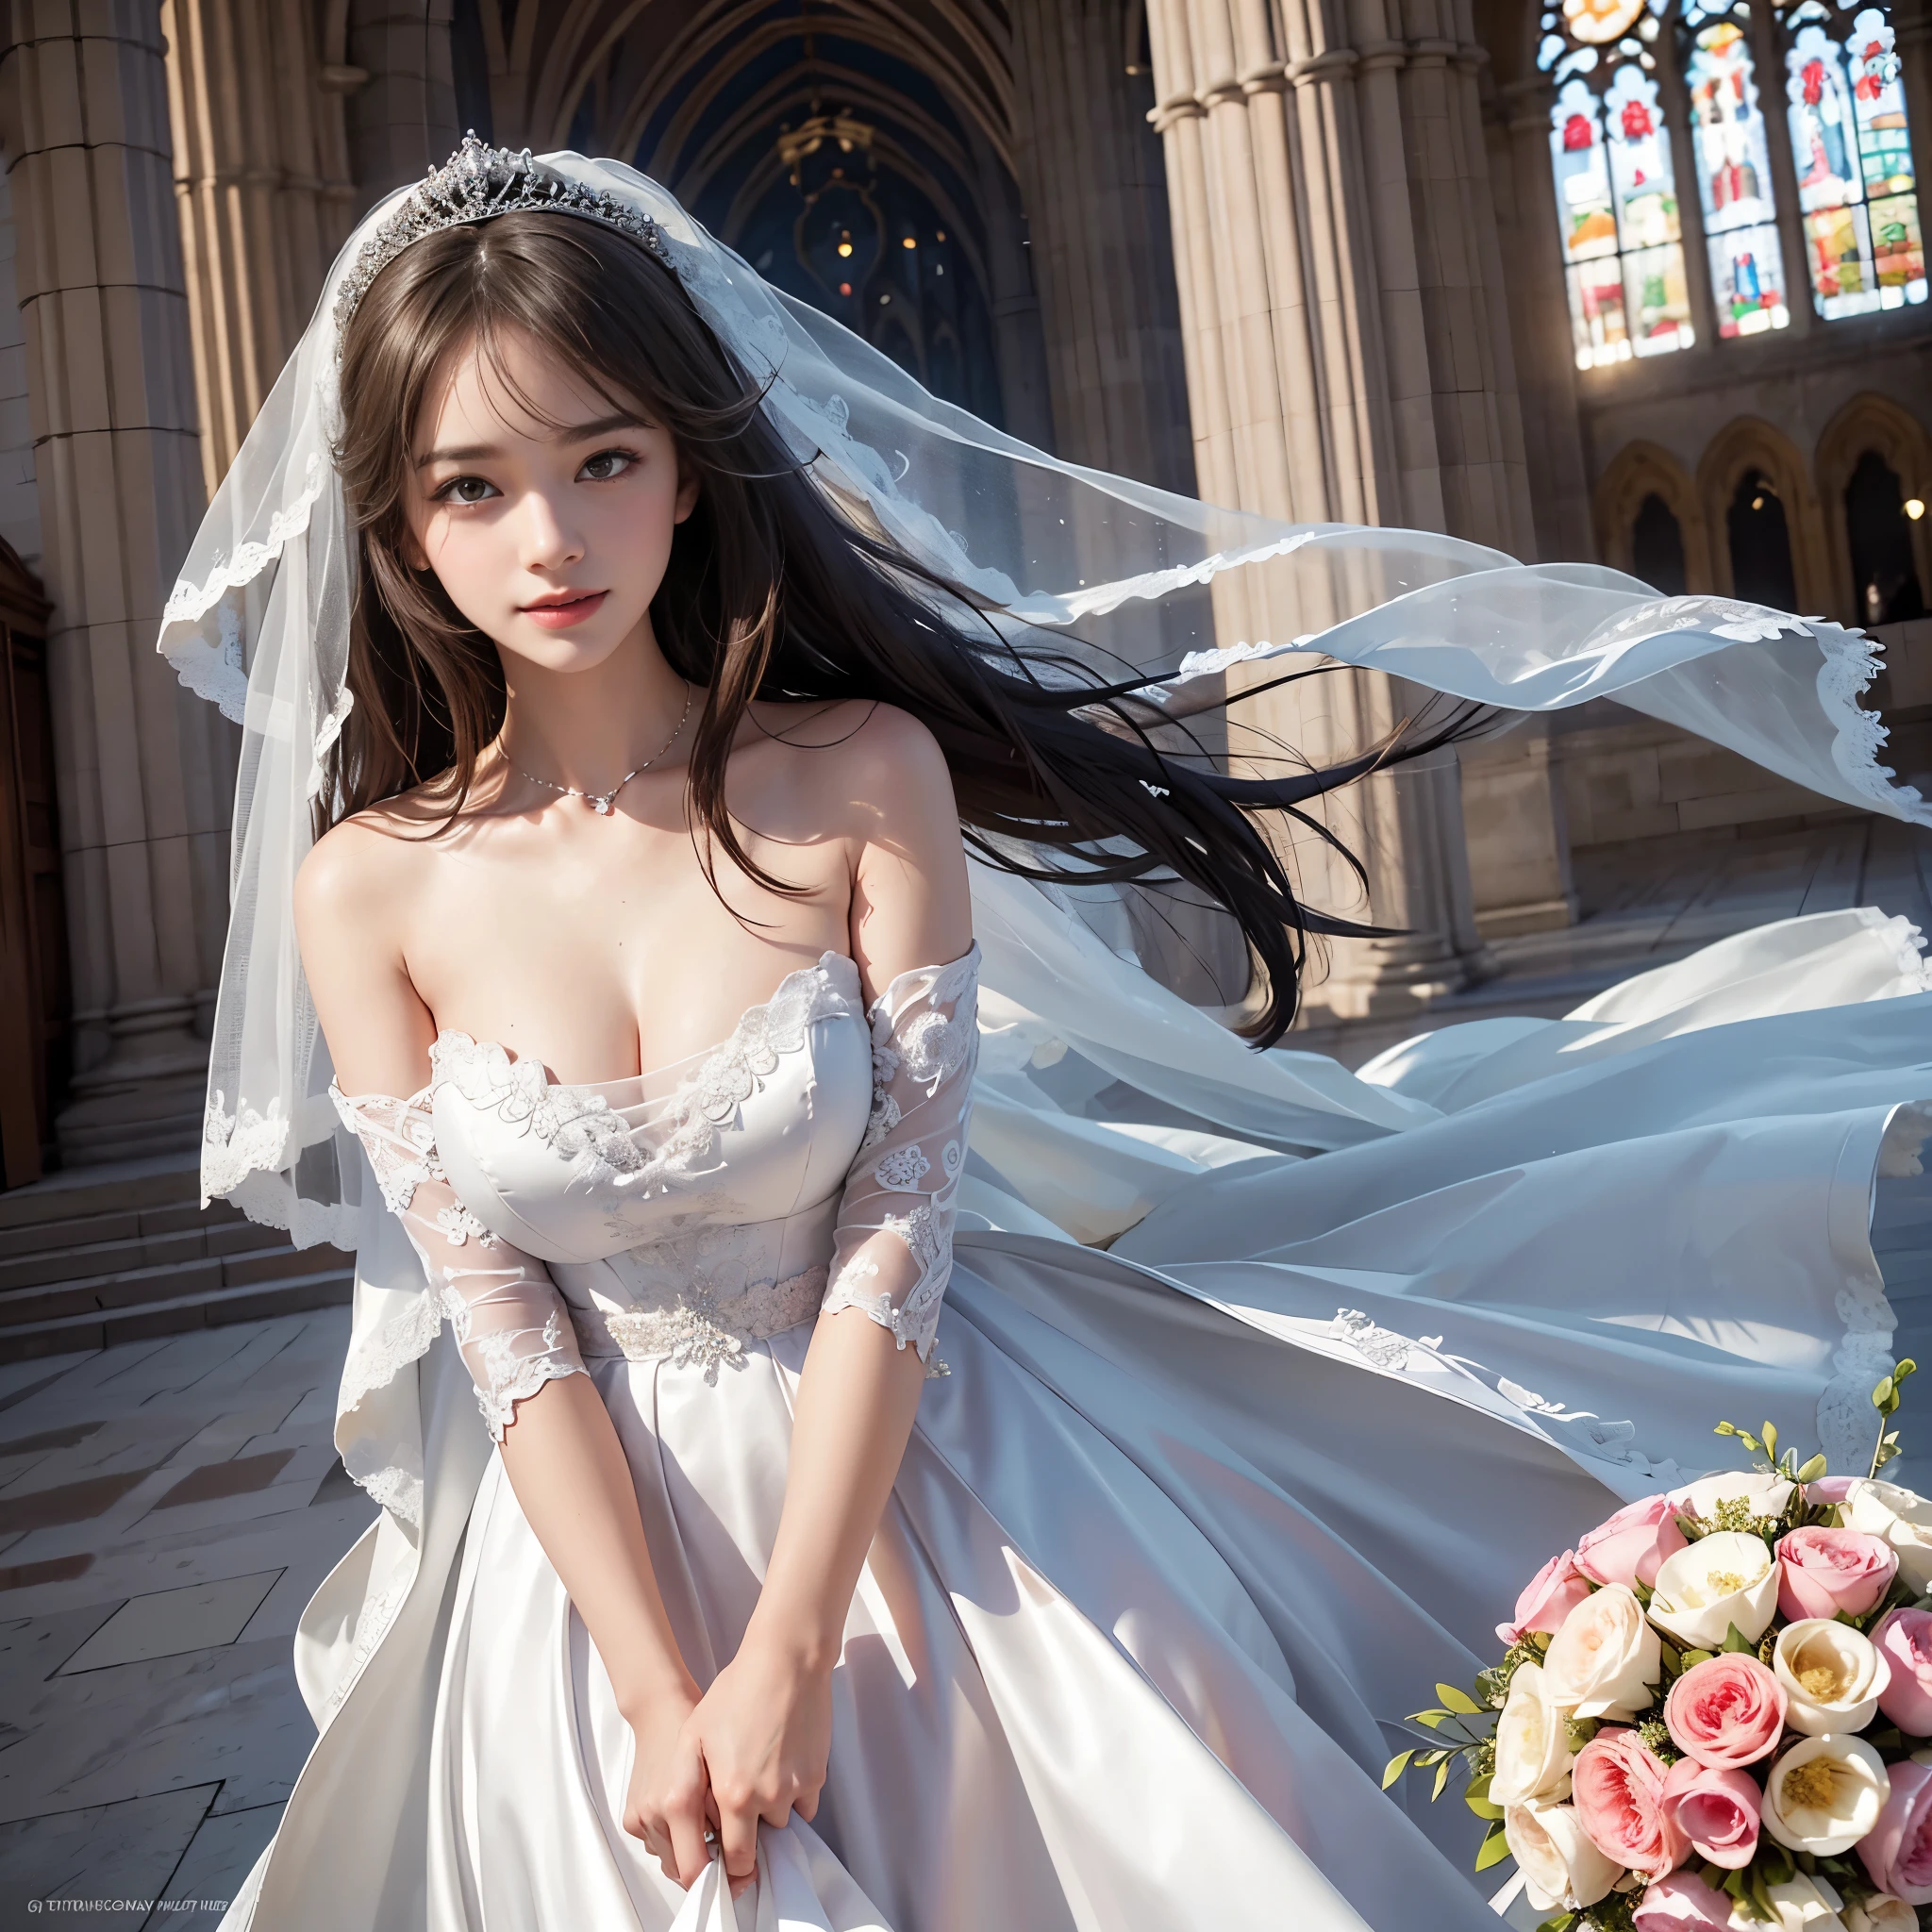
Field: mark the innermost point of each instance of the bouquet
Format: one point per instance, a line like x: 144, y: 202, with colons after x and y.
x: 1715, y: 1712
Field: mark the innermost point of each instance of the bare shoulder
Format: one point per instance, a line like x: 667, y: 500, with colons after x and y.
x: 867, y: 761
x: 361, y: 870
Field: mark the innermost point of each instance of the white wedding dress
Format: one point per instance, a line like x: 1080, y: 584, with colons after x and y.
x: 1181, y: 1526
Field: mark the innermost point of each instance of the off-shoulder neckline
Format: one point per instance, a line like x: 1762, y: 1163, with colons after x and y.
x: 828, y: 964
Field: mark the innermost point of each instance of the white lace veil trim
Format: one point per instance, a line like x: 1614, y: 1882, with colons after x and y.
x: 259, y: 622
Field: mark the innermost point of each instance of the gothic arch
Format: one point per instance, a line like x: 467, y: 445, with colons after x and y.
x: 1751, y: 444
x: 1640, y: 470
x: 1871, y: 422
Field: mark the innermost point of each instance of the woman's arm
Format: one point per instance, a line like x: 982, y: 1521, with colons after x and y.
x: 764, y: 1727
x: 559, y: 1447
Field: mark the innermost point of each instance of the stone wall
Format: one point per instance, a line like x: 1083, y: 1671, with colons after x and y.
x: 20, y: 501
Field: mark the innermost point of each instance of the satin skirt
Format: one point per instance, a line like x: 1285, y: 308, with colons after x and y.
x: 1110, y: 1665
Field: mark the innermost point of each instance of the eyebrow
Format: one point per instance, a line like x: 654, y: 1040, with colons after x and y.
x: 581, y: 432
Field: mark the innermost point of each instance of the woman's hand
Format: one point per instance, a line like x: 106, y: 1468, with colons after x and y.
x: 668, y: 1805
x: 763, y: 1730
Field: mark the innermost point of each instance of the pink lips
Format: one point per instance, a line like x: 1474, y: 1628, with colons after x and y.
x: 561, y: 616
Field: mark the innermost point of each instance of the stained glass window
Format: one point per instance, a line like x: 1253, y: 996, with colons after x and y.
x: 1616, y: 191
x: 1850, y: 141
x: 1732, y: 147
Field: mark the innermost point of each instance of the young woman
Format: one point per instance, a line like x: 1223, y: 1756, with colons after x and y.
x: 647, y: 713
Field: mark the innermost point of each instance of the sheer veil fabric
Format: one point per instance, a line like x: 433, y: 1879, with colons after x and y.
x: 1232, y: 1336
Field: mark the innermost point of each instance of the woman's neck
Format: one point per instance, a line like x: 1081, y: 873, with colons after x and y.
x: 584, y: 730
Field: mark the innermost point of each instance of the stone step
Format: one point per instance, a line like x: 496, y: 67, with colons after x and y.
x: 92, y: 1256
x: 259, y: 1266
x: 114, y: 1225
x: 167, y: 1181
x: 103, y: 1253
x: 247, y: 1302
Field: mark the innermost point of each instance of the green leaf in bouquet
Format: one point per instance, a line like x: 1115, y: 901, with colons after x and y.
x: 1770, y: 1442
x: 1441, y: 1778
x: 1745, y: 1436
x: 1434, y: 1719
x: 1813, y: 1469
x: 1735, y: 1640
x: 1494, y: 1849
x: 1561, y: 1923
x: 1397, y: 1765
x: 1479, y: 1800
x: 1694, y: 1658
x: 1459, y: 1700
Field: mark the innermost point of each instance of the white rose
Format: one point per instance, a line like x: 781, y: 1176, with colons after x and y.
x: 1833, y: 1675
x: 1825, y: 1794
x: 1881, y: 1912
x: 1532, y: 1743
x: 1767, y: 1496
x: 1801, y: 1904
x: 1704, y: 1588
x: 1902, y: 1518
x: 1562, y: 1871
x: 1606, y: 1660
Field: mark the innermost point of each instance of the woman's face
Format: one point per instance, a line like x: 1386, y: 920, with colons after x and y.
x: 551, y: 541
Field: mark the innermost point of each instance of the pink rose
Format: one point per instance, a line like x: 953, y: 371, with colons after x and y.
x: 1682, y: 1903
x: 1717, y: 1811
x: 1897, y: 1851
x: 1617, y: 1784
x: 1822, y: 1571
x: 1726, y: 1712
x: 1547, y: 1598
x: 1904, y: 1639
x: 1632, y: 1544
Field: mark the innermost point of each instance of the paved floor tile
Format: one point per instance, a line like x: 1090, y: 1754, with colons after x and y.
x: 119, y: 1857
x: 170, y: 1622
x: 212, y: 1870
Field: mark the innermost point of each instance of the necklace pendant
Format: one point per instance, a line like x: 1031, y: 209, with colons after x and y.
x: 600, y: 805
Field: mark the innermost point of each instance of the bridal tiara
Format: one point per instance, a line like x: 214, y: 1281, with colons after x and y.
x: 477, y: 184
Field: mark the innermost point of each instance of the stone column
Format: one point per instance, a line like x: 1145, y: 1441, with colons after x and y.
x: 1090, y: 175
x: 1348, y: 359
x: 1519, y: 832
x: 402, y: 114
x: 145, y: 770
x: 1565, y: 526
x: 260, y: 168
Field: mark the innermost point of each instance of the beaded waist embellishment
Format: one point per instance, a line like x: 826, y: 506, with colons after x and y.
x: 698, y: 1330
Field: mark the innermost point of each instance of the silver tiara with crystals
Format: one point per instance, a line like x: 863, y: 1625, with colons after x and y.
x: 477, y: 184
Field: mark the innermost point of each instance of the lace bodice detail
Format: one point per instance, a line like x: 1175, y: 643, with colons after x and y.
x: 682, y: 1215
x: 507, y: 1315
x: 893, y: 1248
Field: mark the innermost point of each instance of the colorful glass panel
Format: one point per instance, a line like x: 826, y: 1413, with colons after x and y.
x: 1851, y: 145
x: 1732, y: 149
x: 1617, y: 219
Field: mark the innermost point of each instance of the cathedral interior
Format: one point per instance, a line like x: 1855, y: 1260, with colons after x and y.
x: 1632, y: 282
x: 1636, y: 283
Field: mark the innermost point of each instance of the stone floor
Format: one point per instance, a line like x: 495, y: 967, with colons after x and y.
x: 166, y: 1508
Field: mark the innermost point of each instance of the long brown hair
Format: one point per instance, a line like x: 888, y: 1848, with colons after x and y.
x: 770, y: 593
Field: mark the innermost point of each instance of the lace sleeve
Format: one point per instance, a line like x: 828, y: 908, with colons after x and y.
x: 894, y: 1248
x: 507, y: 1314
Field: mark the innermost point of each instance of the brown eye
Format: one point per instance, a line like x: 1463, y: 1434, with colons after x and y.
x: 468, y: 489
x: 607, y: 464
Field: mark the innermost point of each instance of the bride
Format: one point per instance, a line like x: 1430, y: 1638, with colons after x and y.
x: 612, y: 711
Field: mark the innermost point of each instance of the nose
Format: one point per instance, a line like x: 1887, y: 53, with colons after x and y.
x: 546, y: 541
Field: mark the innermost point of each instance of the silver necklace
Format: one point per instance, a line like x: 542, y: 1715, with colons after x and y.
x: 601, y: 802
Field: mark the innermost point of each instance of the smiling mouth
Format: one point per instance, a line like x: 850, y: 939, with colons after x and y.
x: 565, y: 601
x: 563, y: 613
